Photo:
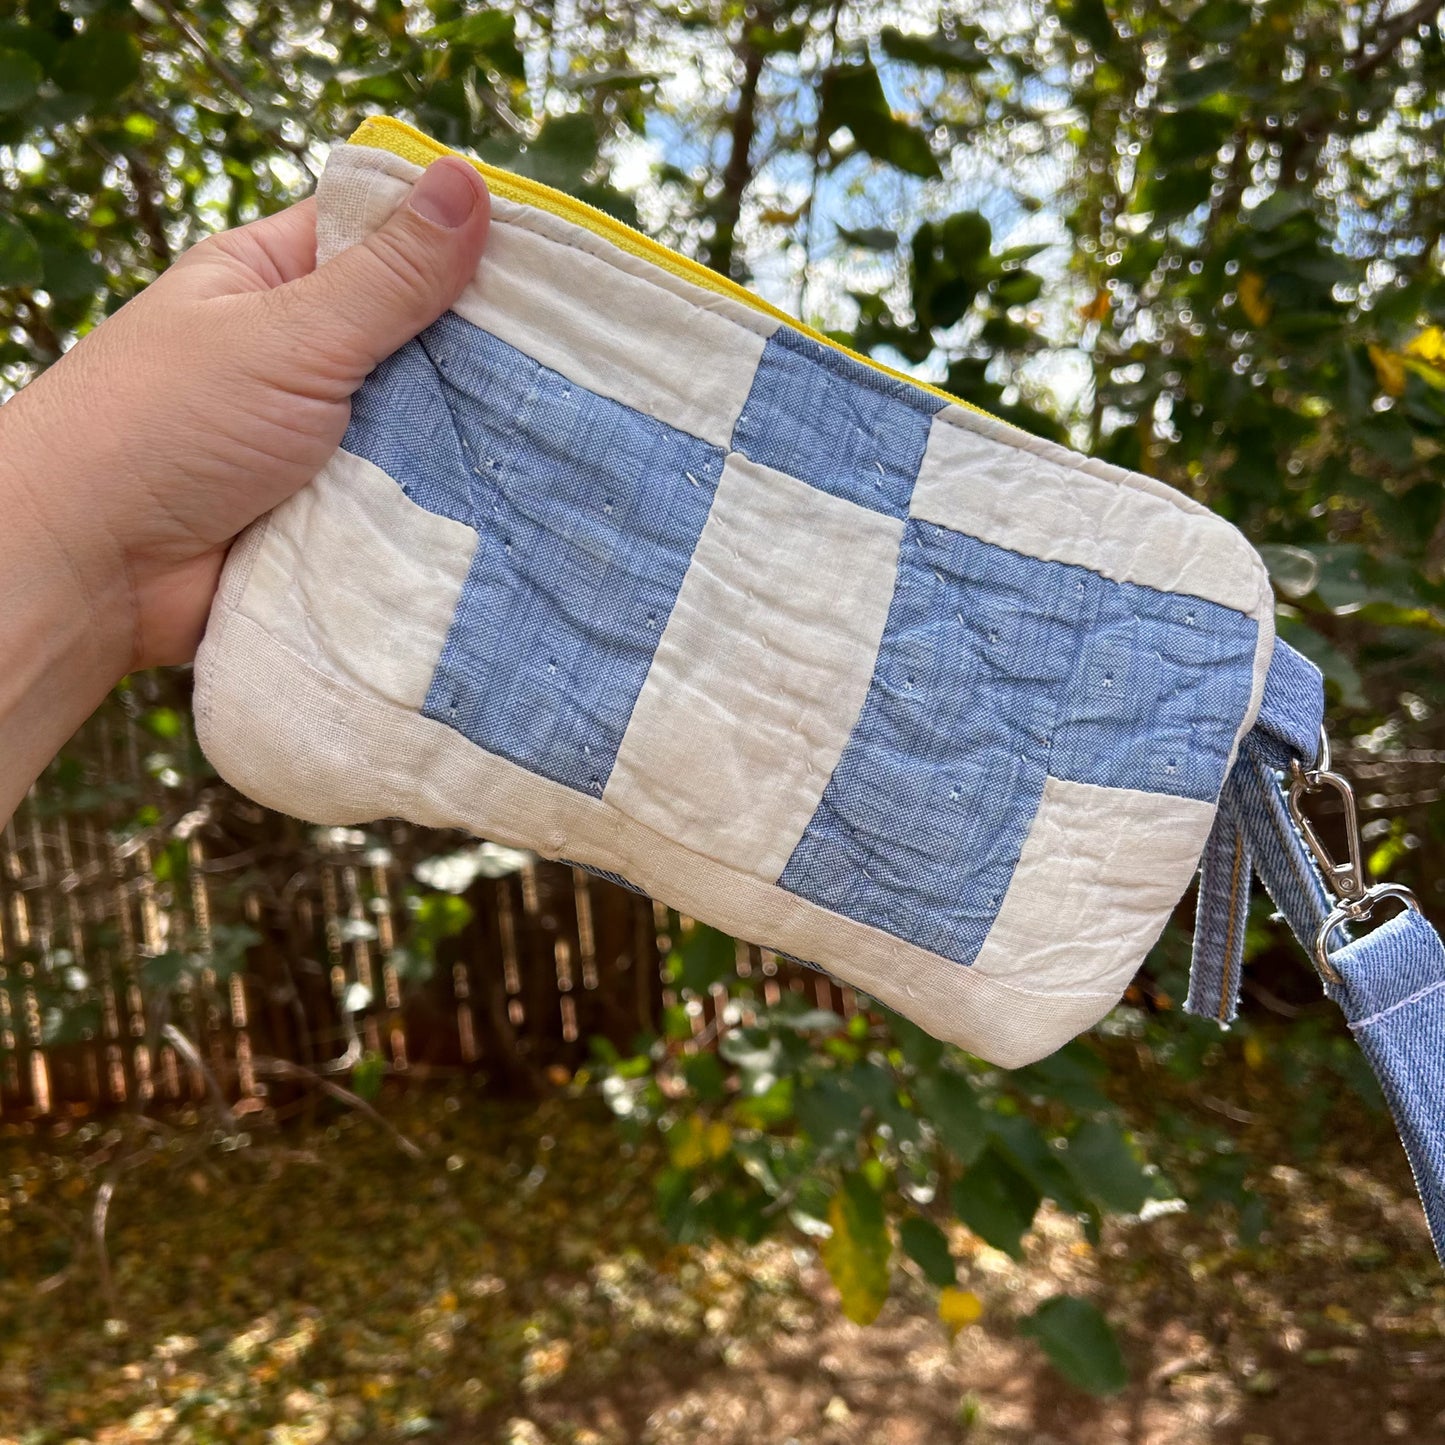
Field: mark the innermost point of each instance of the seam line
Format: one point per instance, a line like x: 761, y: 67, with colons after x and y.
x: 1227, y: 981
x: 1385, y: 1013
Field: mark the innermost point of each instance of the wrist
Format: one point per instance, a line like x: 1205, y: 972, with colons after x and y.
x: 64, y: 596
x: 56, y: 485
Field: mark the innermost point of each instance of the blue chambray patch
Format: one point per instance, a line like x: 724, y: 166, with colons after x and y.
x: 996, y: 671
x: 1161, y: 683
x: 840, y: 426
x: 921, y: 824
x: 587, y: 514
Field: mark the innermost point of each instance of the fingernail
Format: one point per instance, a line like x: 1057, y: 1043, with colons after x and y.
x: 446, y: 194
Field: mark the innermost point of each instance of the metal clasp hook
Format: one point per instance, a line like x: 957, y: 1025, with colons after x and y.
x: 1348, y: 881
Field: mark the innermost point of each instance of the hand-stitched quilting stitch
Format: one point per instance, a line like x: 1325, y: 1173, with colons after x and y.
x: 994, y: 670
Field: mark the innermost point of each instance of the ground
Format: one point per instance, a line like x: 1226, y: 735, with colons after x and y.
x: 512, y: 1286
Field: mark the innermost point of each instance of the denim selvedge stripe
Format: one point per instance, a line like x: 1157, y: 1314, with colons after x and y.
x: 1226, y: 873
x: 1253, y: 817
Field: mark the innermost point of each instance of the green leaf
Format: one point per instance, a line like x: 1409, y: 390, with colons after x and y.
x: 1018, y: 288
x: 1275, y: 210
x: 1037, y: 1160
x: 996, y: 1202
x: 1071, y: 1075
x: 478, y: 29
x: 856, y: 1253
x: 826, y: 1110
x: 1089, y: 20
x: 1293, y: 570
x: 1172, y: 191
x: 920, y: 1049
x: 853, y: 98
x: 162, y: 722
x: 703, y: 957
x: 1190, y: 86
x: 20, y: 77
x: 761, y: 1110
x: 491, y: 33
x: 704, y: 1075
x: 951, y: 1106
x: 560, y: 156
x: 437, y: 916
x: 71, y: 1024
x: 753, y: 1050
x: 927, y: 1246
x: 958, y: 53
x: 1352, y: 578
x: 230, y: 943
x: 100, y: 63
x: 165, y: 970
x: 20, y: 263
x: 1080, y: 1344
x: 780, y: 39
x: 367, y: 1075
x: 870, y: 238
x: 594, y: 80
x: 30, y: 39
x: 68, y: 271
x: 1221, y: 19
x: 809, y: 1021
x: 1189, y: 135
x: 1337, y: 668
x: 1106, y: 1168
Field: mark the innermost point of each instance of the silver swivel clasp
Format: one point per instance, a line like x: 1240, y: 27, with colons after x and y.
x: 1349, y: 881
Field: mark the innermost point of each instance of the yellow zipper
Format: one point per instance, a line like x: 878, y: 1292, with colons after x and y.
x: 384, y: 133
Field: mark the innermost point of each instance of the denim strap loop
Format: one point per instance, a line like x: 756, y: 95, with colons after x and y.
x: 1253, y: 828
x: 1226, y: 872
x: 1292, y: 709
x: 1391, y: 982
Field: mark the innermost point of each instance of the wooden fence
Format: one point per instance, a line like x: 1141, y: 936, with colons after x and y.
x: 161, y: 936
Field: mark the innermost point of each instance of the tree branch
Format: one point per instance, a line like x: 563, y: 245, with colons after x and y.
x: 233, y: 82
x: 1390, y: 37
x: 285, y: 1069
x: 738, y: 174
x: 815, y: 157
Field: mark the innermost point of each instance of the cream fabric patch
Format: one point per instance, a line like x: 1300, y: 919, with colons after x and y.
x: 1059, y: 508
x: 359, y: 581
x: 573, y: 310
x: 761, y: 671
x: 1100, y: 871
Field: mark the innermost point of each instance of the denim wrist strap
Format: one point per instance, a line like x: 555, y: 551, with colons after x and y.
x: 1393, y: 995
x: 1390, y: 983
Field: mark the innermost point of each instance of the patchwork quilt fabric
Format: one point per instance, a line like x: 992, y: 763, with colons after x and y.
x: 619, y: 568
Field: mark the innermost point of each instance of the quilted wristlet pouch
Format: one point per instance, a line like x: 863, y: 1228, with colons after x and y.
x: 619, y: 564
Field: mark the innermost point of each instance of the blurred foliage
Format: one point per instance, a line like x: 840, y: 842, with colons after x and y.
x: 1201, y: 238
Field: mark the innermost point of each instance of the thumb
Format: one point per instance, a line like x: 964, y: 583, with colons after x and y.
x: 376, y: 295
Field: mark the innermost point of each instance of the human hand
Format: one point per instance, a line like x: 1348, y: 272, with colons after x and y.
x: 129, y: 466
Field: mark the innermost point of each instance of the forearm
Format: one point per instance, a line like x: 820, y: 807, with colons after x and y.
x: 65, y: 621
